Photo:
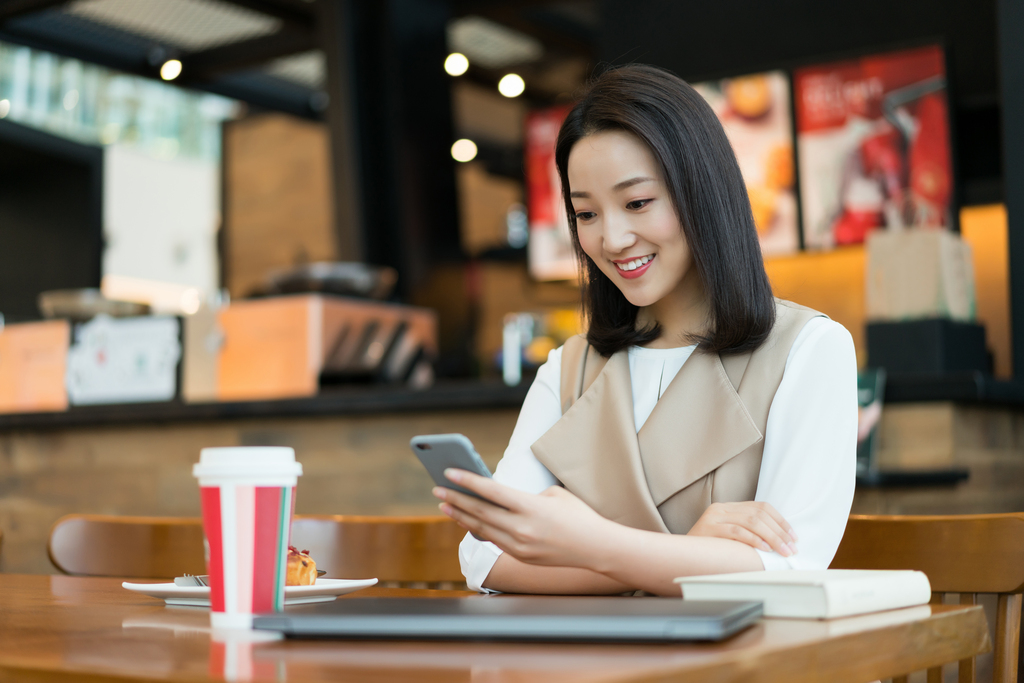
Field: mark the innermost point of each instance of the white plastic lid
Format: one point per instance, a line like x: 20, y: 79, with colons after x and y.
x: 247, y: 461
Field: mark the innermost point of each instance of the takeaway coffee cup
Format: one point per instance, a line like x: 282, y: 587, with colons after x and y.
x: 247, y: 496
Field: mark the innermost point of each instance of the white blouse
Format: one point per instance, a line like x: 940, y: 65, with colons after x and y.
x: 809, y: 460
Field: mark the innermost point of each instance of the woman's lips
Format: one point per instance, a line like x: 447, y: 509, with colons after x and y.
x: 633, y: 274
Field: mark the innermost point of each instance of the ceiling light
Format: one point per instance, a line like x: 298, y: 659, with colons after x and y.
x: 464, y: 150
x: 170, y: 70
x: 5, y: 108
x: 456, y: 64
x: 511, y: 85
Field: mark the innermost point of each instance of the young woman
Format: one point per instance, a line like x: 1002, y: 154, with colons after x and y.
x: 701, y: 426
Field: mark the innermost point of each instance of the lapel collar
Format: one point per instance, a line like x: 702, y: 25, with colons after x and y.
x: 698, y: 424
x: 593, y: 450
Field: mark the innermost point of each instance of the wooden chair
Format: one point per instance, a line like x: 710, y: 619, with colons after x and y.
x: 128, y: 547
x: 965, y: 554
x: 420, y: 551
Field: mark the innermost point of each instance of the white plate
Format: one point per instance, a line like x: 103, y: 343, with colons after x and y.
x: 324, y: 590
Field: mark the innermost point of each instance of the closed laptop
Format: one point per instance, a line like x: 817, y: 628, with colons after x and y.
x: 519, y: 618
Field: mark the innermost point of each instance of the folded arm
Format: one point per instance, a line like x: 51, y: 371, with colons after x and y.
x: 555, y: 543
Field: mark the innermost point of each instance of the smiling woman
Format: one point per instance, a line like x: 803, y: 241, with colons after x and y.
x: 699, y: 425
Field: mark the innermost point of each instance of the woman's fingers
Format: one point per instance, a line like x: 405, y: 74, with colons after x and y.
x: 780, y: 520
x: 476, y: 526
x: 772, y: 534
x: 739, y: 533
x: 496, y: 493
x: 482, y: 509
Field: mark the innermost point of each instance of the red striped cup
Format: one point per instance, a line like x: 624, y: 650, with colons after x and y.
x: 248, y: 495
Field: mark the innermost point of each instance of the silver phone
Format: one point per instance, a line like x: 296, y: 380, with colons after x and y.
x: 438, y: 452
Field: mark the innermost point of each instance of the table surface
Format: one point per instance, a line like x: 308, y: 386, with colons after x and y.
x: 91, y: 629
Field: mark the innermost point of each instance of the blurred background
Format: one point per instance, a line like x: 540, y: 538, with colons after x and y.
x: 334, y: 224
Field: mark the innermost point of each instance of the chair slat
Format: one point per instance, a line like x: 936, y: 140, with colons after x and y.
x: 1007, y: 640
x: 966, y: 667
x: 934, y: 674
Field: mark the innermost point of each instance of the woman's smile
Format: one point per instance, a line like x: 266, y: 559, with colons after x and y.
x: 633, y: 268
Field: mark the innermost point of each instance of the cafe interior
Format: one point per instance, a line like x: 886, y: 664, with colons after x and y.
x: 334, y: 225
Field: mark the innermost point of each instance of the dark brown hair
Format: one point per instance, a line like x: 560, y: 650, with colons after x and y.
x: 709, y: 196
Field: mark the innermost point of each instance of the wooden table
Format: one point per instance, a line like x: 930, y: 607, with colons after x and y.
x: 79, y: 629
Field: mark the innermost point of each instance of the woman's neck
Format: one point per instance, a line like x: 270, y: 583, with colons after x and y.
x: 682, y: 313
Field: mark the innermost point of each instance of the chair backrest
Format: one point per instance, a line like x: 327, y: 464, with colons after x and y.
x: 965, y: 554
x: 129, y: 547
x: 396, y: 550
x: 402, y: 550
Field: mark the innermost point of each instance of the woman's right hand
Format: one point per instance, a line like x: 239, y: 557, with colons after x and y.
x: 755, y: 523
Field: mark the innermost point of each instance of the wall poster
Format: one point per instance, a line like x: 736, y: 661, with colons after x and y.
x: 550, y: 252
x: 874, y: 146
x: 757, y: 116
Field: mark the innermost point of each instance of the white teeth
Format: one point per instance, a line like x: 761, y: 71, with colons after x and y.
x: 635, y: 263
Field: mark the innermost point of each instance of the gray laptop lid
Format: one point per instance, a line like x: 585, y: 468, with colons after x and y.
x: 503, y: 617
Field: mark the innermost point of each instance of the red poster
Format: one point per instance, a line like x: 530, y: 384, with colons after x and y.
x: 756, y: 115
x: 550, y: 248
x: 874, y: 147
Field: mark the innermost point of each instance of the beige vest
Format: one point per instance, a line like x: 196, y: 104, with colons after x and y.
x: 702, y: 444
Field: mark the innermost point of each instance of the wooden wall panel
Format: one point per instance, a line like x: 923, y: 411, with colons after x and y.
x: 352, y: 465
x: 278, y: 209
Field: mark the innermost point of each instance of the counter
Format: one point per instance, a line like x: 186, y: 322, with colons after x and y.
x: 353, y: 444
x: 349, y: 400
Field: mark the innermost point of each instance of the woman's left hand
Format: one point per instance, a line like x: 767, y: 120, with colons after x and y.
x: 553, y: 528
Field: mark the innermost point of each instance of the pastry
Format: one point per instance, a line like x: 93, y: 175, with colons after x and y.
x: 301, y: 568
x: 749, y: 96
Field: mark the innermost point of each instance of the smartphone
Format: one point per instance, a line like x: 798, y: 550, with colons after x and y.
x: 438, y: 452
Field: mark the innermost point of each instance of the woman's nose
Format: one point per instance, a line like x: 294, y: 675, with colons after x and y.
x: 618, y: 235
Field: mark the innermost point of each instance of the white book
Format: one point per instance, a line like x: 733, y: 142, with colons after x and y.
x: 823, y: 594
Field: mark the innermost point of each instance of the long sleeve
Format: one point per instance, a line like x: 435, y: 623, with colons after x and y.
x: 809, y: 459
x: 808, y: 467
x: 519, y: 468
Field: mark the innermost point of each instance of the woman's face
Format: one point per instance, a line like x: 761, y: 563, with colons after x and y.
x: 626, y: 220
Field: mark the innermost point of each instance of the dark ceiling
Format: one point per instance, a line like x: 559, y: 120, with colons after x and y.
x: 248, y: 65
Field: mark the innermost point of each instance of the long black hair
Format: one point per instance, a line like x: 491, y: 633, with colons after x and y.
x: 708, y: 193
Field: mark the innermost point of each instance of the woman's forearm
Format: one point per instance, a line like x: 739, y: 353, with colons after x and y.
x: 510, y: 575
x: 634, y: 559
x: 650, y: 560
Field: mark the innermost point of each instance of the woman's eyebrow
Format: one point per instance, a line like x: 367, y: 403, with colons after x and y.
x: 631, y: 182
x: 618, y: 186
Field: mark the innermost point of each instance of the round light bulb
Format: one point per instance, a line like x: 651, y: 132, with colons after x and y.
x: 511, y: 85
x: 464, y: 150
x: 5, y: 108
x: 456, y: 64
x: 170, y: 70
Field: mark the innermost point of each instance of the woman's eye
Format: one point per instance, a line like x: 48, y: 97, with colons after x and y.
x: 638, y: 204
x: 584, y: 215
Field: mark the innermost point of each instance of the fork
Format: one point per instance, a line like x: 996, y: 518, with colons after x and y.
x: 200, y: 580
